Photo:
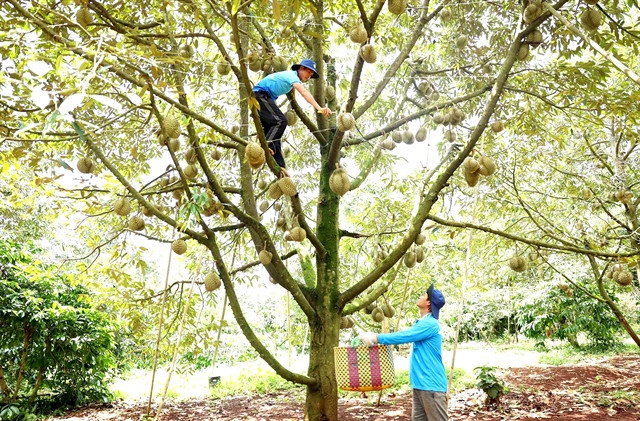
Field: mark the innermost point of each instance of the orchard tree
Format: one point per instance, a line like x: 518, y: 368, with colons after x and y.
x: 151, y: 103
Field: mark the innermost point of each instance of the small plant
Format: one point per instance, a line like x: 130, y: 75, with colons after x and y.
x: 490, y: 384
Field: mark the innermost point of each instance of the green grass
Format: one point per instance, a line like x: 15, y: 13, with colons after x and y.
x: 565, y: 354
x: 258, y: 380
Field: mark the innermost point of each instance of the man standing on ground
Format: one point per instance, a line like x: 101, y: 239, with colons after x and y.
x: 426, y: 370
x: 267, y: 92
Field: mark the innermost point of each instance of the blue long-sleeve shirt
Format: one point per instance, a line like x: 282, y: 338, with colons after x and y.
x: 426, y: 370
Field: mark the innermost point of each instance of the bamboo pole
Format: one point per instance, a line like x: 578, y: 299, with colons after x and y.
x: 155, y: 357
x: 177, y: 347
x: 617, y: 63
x: 465, y: 281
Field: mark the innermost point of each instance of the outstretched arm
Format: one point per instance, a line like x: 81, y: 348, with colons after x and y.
x: 311, y: 100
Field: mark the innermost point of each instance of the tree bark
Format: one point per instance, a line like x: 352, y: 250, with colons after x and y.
x: 322, y: 400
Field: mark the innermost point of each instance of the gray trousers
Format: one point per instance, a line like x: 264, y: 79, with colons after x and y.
x: 429, y: 406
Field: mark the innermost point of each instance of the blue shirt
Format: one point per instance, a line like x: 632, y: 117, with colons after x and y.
x: 426, y: 371
x: 277, y: 84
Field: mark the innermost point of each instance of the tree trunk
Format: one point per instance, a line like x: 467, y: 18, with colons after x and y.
x: 322, y: 400
x: 4, y: 387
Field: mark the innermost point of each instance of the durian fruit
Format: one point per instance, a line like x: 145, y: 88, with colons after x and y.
x: 171, y: 126
x: 368, y: 53
x: 146, y: 211
x: 174, y: 144
x: 566, y: 289
x: 456, y: 116
x: 186, y: 51
x: 397, y: 7
x: 407, y: 137
x: 624, y: 196
x: 470, y: 164
x: 277, y: 206
x: 346, y: 323
x: 586, y: 194
x: 377, y: 315
x: 346, y: 122
x: 191, y: 171
x: 388, y: 144
x: 216, y: 155
x: 445, y: 15
x: 434, y: 96
x: 280, y: 222
x: 518, y: 263
x: 267, y: 65
x: 287, y: 186
x: 450, y: 136
x: 410, y: 259
x: 438, y: 118
x: 136, y: 223
x: 534, y: 39
x: 330, y: 93
x: 211, y: 281
x: 265, y: 257
x: 297, y: 234
x: 223, y: 68
x: 369, y: 308
x: 591, y: 19
x: 624, y: 278
x: 487, y: 166
x: 388, y: 310
x: 292, y: 117
x: 177, y: 194
x: 462, y: 41
x: 162, y: 139
x: 420, y: 254
x: 86, y: 165
x: 396, y: 137
x: 179, y: 246
x: 122, y: 206
x: 425, y: 88
x: 420, y: 239
x: 523, y: 52
x: 190, y: 156
x: 471, y: 178
x: 339, y: 181
x: 84, y: 17
x: 421, y: 134
x: 264, y: 205
x: 497, y: 126
x: 532, y: 12
x: 262, y: 184
x: 358, y: 34
x: 279, y: 64
x: 254, y: 155
x: 275, y: 192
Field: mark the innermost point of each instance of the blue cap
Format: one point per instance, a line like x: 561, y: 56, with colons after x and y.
x: 437, y: 300
x: 309, y: 64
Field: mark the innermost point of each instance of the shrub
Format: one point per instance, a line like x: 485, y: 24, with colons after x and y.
x: 490, y: 384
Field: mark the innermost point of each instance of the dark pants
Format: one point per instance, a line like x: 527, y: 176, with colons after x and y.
x: 274, y: 123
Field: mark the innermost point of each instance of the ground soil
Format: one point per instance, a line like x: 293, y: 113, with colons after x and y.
x: 599, y: 390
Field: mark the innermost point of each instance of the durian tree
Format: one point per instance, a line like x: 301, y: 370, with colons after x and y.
x: 118, y: 90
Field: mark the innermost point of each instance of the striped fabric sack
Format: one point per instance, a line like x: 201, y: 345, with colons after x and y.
x: 364, y: 368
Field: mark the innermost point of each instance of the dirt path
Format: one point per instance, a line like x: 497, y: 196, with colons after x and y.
x: 601, y: 390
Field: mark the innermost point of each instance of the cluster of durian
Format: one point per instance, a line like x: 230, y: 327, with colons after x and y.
x: 283, y: 186
x: 533, y: 11
x: 267, y: 63
x: 346, y: 322
x: 169, y: 133
x: 426, y: 89
x: 213, y: 206
x: 186, y: 50
x: 622, y: 196
x: 453, y: 117
x: 474, y: 168
x: 379, y: 313
x: 339, y: 182
x: 122, y: 207
x: 591, y: 18
x: 518, y: 263
x: 416, y: 253
x: 619, y: 274
x: 405, y: 136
